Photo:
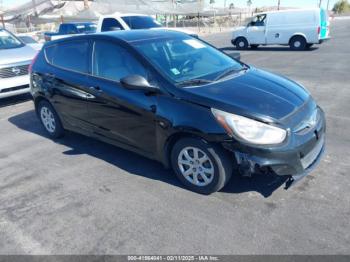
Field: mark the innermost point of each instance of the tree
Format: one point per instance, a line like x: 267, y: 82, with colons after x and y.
x: 249, y: 3
x: 342, y: 6
x: 212, y: 2
x: 232, y: 6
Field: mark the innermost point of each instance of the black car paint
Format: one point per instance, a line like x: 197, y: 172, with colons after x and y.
x: 149, y: 123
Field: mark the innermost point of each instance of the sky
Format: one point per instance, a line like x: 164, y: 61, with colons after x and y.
x: 237, y: 3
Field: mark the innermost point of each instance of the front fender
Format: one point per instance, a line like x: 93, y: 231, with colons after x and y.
x: 184, y: 119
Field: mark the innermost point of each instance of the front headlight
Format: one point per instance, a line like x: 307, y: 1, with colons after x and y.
x: 249, y: 130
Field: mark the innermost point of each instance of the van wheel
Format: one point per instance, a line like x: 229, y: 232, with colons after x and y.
x: 241, y: 43
x: 254, y: 46
x: 201, y: 167
x: 297, y: 43
x: 50, y: 120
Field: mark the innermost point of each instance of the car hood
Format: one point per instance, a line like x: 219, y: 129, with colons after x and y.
x: 16, y: 55
x: 254, y: 93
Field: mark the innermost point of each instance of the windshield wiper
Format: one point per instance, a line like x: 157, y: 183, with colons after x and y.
x: 230, y: 71
x: 193, y: 82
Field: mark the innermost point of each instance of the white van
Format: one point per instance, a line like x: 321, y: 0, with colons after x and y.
x: 299, y: 29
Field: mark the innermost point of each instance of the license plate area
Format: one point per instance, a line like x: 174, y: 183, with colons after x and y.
x: 307, y: 160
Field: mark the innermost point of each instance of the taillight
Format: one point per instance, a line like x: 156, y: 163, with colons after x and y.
x: 318, y: 30
x: 30, y: 67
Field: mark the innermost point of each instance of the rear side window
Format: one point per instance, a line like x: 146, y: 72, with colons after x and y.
x: 71, y: 55
x: 110, y: 24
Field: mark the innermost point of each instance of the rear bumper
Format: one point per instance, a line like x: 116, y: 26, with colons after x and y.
x: 320, y: 41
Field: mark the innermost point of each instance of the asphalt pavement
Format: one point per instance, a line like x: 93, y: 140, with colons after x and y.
x: 80, y: 196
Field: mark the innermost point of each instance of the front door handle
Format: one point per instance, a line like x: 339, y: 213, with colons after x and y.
x: 96, y: 89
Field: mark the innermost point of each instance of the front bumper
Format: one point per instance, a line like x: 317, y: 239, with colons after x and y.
x: 297, y: 158
x: 14, y: 86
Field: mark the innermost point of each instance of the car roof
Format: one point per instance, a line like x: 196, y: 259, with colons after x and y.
x: 296, y: 10
x: 126, y: 35
x: 78, y: 23
x: 143, y: 34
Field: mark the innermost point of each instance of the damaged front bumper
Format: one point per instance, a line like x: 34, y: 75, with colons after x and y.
x: 295, y: 159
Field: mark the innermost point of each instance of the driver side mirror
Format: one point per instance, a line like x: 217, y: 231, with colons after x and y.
x: 137, y: 82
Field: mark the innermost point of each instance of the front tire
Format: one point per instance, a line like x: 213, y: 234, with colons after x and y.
x: 297, y: 43
x: 50, y: 119
x: 241, y: 43
x: 202, y: 167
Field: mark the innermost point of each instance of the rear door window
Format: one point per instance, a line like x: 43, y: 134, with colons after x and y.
x: 72, y: 56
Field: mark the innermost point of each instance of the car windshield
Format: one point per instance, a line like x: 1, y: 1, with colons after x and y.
x: 141, y: 22
x: 8, y: 41
x: 187, y: 59
x: 86, y: 28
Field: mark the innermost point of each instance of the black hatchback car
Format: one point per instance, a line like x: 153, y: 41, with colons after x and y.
x: 178, y: 100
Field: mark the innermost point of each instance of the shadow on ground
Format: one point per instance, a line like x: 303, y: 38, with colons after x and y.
x: 268, y: 49
x: 136, y: 164
x: 8, y: 101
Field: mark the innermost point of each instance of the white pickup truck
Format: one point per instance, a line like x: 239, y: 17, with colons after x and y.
x: 118, y: 21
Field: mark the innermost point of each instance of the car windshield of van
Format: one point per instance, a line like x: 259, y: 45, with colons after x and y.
x: 141, y: 22
x: 187, y: 59
x: 8, y: 41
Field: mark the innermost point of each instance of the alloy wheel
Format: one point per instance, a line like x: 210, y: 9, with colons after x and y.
x: 196, y: 166
x: 48, y: 119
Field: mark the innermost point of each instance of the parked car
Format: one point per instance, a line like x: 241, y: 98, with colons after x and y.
x: 178, y: 100
x: 28, y: 40
x: 300, y: 29
x: 69, y: 29
x: 118, y: 21
x: 15, y: 57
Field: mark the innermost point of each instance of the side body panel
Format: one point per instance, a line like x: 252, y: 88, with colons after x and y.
x: 281, y: 27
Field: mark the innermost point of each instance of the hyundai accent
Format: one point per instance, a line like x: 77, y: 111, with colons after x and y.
x: 176, y: 99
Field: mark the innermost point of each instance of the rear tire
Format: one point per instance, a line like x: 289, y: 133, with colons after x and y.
x: 202, y: 167
x: 241, y: 43
x: 297, y: 43
x: 50, y: 119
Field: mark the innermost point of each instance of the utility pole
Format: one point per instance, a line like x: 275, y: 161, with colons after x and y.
x: 320, y: 4
x: 327, y: 5
x: 278, y: 4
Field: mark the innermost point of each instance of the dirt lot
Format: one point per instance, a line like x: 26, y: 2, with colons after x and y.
x: 80, y: 196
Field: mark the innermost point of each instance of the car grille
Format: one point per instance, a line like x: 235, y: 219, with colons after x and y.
x: 13, y: 71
